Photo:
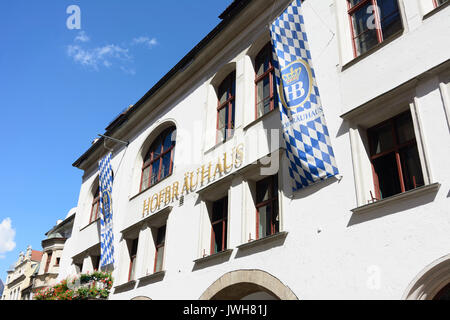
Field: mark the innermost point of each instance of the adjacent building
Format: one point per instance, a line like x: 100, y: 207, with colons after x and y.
x: 19, y: 277
x: 53, y: 246
x: 202, y: 198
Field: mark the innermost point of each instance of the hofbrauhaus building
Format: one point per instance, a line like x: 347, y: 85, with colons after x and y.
x: 206, y: 201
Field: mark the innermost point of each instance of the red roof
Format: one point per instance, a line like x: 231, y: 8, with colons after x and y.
x: 36, y: 255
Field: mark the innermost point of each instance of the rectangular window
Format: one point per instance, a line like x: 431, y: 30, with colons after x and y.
x: 267, y: 220
x: 159, y: 245
x: 394, y: 156
x: 219, y: 219
x: 133, y: 252
x: 265, y: 81
x: 226, y: 108
x: 372, y: 22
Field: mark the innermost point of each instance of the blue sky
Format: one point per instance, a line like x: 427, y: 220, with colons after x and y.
x: 61, y: 87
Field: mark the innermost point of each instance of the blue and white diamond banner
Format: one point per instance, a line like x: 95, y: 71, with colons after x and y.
x: 106, y: 213
x: 308, y: 144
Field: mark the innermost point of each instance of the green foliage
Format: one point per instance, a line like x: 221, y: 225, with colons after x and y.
x: 91, y: 286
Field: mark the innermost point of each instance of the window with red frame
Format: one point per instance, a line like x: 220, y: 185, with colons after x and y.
x: 265, y: 81
x: 438, y: 3
x: 159, y: 246
x: 226, y: 108
x: 371, y: 26
x: 267, y: 220
x: 133, y: 253
x: 394, y: 156
x: 219, y: 219
x: 95, y: 207
x: 158, y: 162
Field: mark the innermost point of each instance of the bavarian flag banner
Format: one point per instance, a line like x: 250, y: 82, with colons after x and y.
x: 106, y: 214
x: 305, y: 132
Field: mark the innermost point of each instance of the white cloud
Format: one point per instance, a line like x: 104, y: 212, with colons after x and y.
x: 82, y: 37
x: 105, y: 56
x: 7, y: 234
x: 146, y: 41
x: 99, y: 56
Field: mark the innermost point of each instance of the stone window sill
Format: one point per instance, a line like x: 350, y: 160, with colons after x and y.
x: 127, y: 285
x: 434, y: 187
x: 153, y: 276
x: 255, y: 243
x: 214, y: 256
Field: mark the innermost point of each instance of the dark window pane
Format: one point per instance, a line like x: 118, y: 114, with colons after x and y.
x: 219, y: 209
x: 390, y: 17
x: 381, y: 138
x: 363, y: 28
x: 156, y: 147
x: 230, y: 125
x: 165, y: 169
x: 262, y: 60
x: 386, y: 169
x: 161, y: 237
x: 155, y: 172
x: 217, y: 234
x: 168, y: 140
x: 366, y: 41
x: 133, y: 248
x: 275, y: 218
x: 262, y: 190
x: 222, y: 97
x: 405, y: 128
x: 233, y: 85
x: 219, y: 224
x: 412, y: 171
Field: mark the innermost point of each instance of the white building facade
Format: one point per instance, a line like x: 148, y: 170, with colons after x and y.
x: 203, y: 206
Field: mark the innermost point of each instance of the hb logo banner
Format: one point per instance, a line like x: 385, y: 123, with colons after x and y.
x: 308, y: 144
x: 106, y: 213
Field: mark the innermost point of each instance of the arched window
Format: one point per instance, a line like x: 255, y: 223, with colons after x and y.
x: 265, y: 81
x: 226, y: 107
x: 95, y: 207
x: 158, y: 162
